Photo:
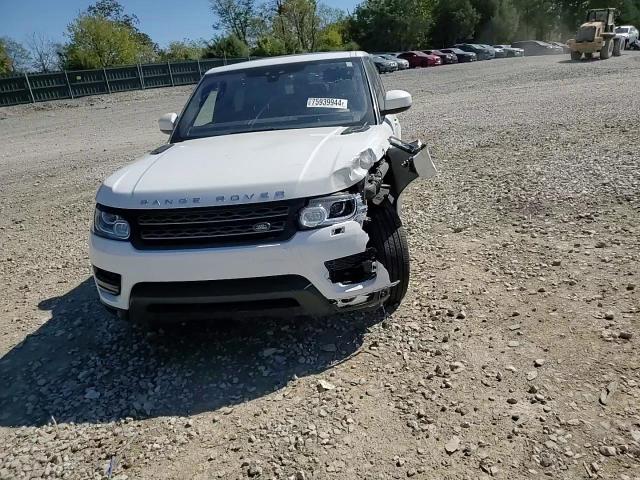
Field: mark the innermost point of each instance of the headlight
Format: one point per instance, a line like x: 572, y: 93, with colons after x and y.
x: 333, y: 209
x: 110, y: 225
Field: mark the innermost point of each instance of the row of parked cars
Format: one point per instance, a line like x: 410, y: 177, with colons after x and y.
x: 464, y: 52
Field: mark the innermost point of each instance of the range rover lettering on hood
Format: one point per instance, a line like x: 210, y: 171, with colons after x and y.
x: 277, y: 195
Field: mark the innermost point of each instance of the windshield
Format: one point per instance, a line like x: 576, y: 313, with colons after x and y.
x: 277, y: 97
x: 598, y: 16
x: 622, y: 30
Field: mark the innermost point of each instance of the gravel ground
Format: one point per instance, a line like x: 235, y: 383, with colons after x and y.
x: 515, y: 354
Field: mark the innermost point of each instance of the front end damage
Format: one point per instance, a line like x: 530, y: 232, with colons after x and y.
x: 166, y: 272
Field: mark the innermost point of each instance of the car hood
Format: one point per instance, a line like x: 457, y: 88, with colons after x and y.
x: 244, y: 168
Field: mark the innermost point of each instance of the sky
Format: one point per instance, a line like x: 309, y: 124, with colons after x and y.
x: 163, y: 20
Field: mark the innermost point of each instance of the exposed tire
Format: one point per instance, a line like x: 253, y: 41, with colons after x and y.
x: 607, y: 50
x: 388, y: 237
x: 588, y: 56
x: 575, y: 55
x: 617, y: 48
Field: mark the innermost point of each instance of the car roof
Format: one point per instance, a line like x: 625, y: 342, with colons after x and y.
x: 287, y: 59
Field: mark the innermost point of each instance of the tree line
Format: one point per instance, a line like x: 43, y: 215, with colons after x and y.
x: 106, y: 35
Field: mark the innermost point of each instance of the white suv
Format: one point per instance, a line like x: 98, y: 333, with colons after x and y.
x: 629, y: 33
x: 278, y: 192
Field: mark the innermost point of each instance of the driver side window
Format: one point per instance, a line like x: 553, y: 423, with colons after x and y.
x: 376, y: 82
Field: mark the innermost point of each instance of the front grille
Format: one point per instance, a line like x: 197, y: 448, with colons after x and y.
x: 202, y: 226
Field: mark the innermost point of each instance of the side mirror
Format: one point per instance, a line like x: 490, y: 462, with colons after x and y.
x: 396, y: 101
x: 167, y: 122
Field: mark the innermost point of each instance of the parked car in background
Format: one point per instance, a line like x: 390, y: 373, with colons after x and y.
x: 383, y: 65
x: 510, y: 51
x: 402, y: 63
x: 418, y: 59
x: 497, y: 52
x: 461, y: 54
x: 481, y: 52
x: 565, y: 48
x: 535, y: 47
x: 447, y: 58
x: 629, y: 33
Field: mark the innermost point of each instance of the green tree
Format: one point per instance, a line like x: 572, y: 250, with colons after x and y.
x: 19, y: 57
x: 268, y: 46
x: 302, y: 17
x: 113, y: 10
x: 96, y: 42
x: 539, y: 19
x: 229, y: 46
x: 498, y: 21
x: 629, y: 12
x: 183, y: 50
x: 104, y: 35
x: 5, y: 61
x: 455, y: 20
x: 381, y: 25
x: 331, y: 38
x: 235, y: 17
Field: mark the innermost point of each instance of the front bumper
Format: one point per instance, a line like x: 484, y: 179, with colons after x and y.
x: 303, y: 257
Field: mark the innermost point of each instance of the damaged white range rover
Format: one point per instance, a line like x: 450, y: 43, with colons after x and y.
x: 277, y: 193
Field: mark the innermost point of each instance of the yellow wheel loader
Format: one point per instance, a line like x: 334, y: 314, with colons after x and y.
x: 597, y: 35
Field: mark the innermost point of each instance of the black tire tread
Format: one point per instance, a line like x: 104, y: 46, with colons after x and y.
x: 617, y: 48
x: 389, y: 238
x: 607, y: 50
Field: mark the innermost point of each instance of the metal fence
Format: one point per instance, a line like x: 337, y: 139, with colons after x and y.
x: 42, y: 87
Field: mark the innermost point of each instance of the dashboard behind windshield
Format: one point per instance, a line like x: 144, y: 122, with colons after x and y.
x: 276, y: 97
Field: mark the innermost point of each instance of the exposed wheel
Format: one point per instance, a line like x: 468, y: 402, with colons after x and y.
x: 588, y: 56
x: 617, y: 47
x: 575, y: 55
x: 388, y: 237
x: 607, y: 50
